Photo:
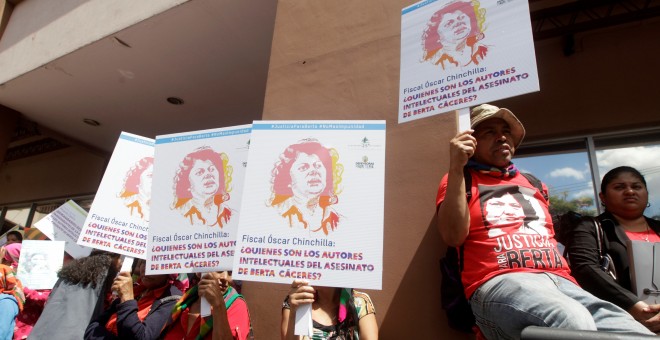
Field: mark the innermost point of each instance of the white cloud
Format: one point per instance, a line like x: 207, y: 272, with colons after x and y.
x: 567, y: 172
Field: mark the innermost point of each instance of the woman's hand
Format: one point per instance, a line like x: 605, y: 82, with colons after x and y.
x: 123, y: 285
x: 300, y: 293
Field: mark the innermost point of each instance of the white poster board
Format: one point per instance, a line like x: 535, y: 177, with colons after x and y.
x: 119, y: 217
x: 39, y: 263
x: 197, y: 200
x: 645, y: 270
x: 65, y: 224
x: 313, y: 204
x: 461, y: 53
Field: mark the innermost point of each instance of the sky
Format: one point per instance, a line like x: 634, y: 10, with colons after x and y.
x: 569, y: 175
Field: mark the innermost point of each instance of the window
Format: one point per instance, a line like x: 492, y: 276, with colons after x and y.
x: 573, y: 167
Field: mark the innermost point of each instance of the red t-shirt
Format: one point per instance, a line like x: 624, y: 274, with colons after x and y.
x: 237, y: 315
x: 510, y: 231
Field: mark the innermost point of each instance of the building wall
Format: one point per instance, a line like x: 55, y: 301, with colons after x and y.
x: 69, y: 172
x: 340, y: 60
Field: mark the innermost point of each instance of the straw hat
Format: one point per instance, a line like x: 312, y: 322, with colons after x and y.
x: 484, y: 112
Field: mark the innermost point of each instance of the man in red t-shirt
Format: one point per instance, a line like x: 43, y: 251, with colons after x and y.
x: 513, y: 274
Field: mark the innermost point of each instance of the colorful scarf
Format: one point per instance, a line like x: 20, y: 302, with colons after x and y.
x: 189, y: 298
x: 344, y: 297
x: 13, y: 253
x: 10, y: 285
x: 507, y: 172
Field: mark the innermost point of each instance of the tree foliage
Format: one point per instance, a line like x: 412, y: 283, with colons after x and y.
x: 560, y: 205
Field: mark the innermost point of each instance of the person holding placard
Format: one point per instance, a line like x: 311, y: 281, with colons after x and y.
x: 137, y: 188
x: 304, y: 187
x: 11, y: 299
x: 14, y: 236
x: 77, y: 297
x: 337, y: 313
x: 229, y: 318
x: 624, y: 195
x: 201, y: 188
x: 514, y: 278
x: 140, y: 311
x: 452, y: 35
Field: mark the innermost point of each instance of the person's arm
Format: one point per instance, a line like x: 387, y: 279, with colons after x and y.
x: 129, y: 325
x: 585, y: 267
x: 453, y: 215
x: 96, y: 328
x: 301, y: 293
x: 368, y: 327
x: 209, y: 288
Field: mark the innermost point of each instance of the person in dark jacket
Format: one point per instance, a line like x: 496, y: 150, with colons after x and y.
x: 140, y: 311
x: 625, y: 197
x: 77, y: 297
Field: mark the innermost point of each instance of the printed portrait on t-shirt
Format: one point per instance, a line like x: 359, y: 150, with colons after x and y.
x: 510, y: 209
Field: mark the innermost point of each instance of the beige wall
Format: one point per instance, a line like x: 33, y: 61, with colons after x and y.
x: 340, y: 60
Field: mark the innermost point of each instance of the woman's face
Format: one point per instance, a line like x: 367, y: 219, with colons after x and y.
x: 11, y: 238
x: 145, y: 181
x: 454, y: 27
x: 625, y: 195
x: 307, y: 175
x: 204, y: 178
x: 503, y: 210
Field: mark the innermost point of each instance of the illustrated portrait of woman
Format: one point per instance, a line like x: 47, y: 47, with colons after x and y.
x: 452, y: 35
x: 202, y: 186
x: 305, y: 184
x: 136, y: 192
x: 506, y: 206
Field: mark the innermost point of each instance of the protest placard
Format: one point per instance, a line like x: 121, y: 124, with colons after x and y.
x: 313, y: 204
x: 39, y: 263
x: 65, y: 224
x: 119, y: 216
x: 461, y: 53
x: 197, y: 198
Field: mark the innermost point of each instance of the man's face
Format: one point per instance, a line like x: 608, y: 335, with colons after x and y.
x: 494, y: 143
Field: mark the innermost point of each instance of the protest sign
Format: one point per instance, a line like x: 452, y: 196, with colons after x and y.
x: 313, y: 204
x: 64, y: 224
x: 461, y: 53
x: 119, y: 217
x: 197, y: 199
x: 39, y: 263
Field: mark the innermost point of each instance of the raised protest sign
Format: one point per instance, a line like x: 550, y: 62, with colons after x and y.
x: 65, y: 224
x: 197, y: 198
x: 461, y: 53
x: 313, y: 204
x: 119, y: 217
x: 39, y: 263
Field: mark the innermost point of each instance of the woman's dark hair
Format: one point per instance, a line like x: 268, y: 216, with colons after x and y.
x: 350, y: 324
x: 614, y: 173
x: 90, y: 270
x: 16, y: 233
